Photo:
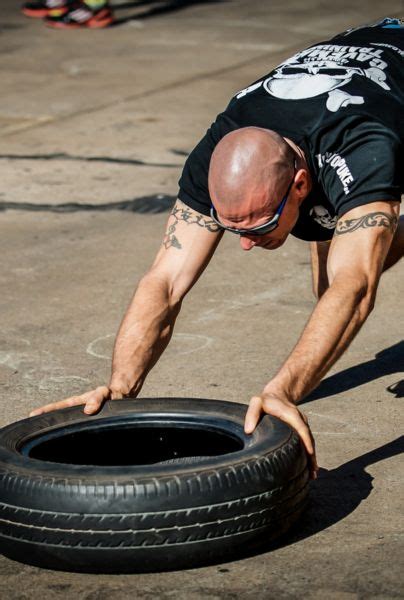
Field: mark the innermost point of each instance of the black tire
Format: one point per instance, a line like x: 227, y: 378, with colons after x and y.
x: 178, y: 512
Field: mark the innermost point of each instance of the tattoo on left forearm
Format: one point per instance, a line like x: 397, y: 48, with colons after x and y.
x: 373, y: 219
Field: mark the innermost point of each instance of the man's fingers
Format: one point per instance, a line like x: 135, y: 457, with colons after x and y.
x: 293, y: 417
x: 253, y: 414
x: 297, y: 422
x: 72, y: 401
x: 95, y: 399
x: 300, y: 423
x: 290, y: 414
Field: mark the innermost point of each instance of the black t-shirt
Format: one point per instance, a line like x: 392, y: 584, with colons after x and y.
x: 341, y: 102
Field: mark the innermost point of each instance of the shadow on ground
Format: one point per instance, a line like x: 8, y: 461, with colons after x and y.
x: 334, y: 496
x: 338, y: 492
x: 387, y: 362
x: 155, y: 9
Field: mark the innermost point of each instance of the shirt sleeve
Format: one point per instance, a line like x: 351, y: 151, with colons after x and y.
x: 194, y: 191
x: 360, y: 165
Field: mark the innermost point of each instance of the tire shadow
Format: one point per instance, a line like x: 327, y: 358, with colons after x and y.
x: 334, y: 496
x: 338, y: 492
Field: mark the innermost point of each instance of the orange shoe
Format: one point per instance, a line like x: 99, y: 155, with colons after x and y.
x: 79, y: 15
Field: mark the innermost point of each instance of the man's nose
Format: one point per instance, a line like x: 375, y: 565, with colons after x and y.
x: 247, y: 243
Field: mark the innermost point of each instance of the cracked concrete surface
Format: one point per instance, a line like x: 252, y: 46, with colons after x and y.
x: 94, y: 129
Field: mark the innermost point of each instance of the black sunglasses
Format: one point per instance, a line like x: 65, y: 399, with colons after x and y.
x: 259, y: 229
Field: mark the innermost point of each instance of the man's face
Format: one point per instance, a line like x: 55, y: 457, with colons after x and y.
x: 275, y: 239
x: 261, y: 212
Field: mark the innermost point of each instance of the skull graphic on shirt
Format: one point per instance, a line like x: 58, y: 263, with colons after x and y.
x: 326, y: 69
x: 321, y: 215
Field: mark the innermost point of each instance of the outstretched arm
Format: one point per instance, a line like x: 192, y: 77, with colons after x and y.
x: 188, y: 245
x: 355, y: 262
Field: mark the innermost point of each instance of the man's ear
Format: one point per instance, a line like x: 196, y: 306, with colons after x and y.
x: 302, y: 184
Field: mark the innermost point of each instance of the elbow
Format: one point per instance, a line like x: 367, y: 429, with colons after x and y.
x: 365, y: 297
x: 360, y: 291
x: 176, y: 294
x: 366, y: 303
x: 320, y: 285
x: 159, y: 285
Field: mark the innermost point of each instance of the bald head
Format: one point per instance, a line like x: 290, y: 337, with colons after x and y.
x: 249, y: 171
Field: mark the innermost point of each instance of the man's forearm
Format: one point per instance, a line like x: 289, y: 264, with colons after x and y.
x: 335, y: 321
x: 143, y: 335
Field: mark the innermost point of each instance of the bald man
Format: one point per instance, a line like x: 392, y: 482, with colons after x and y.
x: 313, y: 149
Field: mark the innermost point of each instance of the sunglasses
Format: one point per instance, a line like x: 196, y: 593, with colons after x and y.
x: 259, y: 229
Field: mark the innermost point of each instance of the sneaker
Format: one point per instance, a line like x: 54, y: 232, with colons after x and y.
x: 47, y: 8
x: 79, y: 15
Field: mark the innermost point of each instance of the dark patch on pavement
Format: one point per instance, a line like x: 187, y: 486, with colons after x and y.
x: 156, y: 203
x: 9, y: 27
x: 106, y: 159
x: 179, y: 152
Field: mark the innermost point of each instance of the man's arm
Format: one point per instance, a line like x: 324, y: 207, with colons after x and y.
x: 358, y: 250
x: 319, y: 257
x: 188, y: 245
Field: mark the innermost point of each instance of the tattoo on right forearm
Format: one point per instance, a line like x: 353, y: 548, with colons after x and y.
x: 185, y: 214
x: 373, y: 219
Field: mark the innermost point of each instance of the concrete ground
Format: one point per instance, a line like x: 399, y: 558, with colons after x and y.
x: 94, y: 129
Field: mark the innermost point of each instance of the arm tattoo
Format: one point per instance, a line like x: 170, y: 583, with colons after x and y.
x: 185, y: 214
x: 374, y: 219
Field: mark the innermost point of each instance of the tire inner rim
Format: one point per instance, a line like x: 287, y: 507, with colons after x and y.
x: 136, y: 441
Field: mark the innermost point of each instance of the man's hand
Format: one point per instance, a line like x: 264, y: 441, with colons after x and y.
x: 361, y: 243
x: 119, y: 387
x: 288, y: 412
x: 93, y: 401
